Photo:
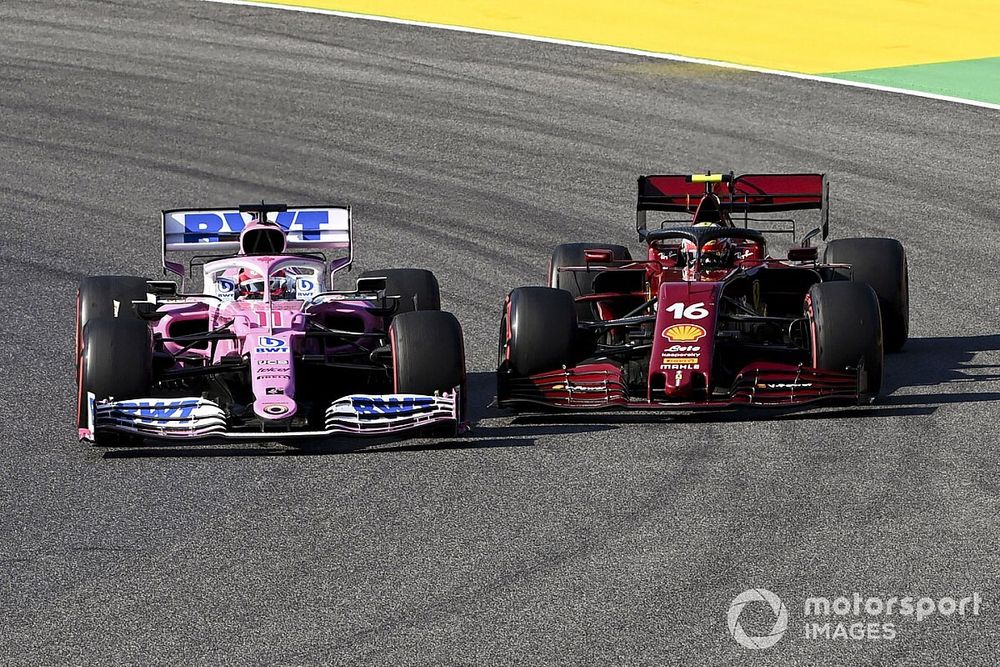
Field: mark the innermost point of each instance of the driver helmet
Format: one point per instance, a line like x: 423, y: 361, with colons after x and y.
x: 718, y: 253
x: 250, y: 284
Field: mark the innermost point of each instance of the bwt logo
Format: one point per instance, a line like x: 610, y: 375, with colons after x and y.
x: 389, y: 406
x: 206, y: 227
x: 165, y: 411
x: 780, y: 618
x: 266, y: 344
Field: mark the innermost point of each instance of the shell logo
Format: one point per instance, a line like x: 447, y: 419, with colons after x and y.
x: 684, y: 333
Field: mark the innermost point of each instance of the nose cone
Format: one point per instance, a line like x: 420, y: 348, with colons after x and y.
x: 273, y: 376
x: 274, y: 407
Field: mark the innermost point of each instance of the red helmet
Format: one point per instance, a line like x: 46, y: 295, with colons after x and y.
x: 250, y: 284
x: 719, y: 253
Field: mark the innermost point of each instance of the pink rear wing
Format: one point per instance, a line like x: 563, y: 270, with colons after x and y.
x: 206, y: 231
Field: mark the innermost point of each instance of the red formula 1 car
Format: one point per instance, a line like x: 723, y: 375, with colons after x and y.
x: 707, y: 318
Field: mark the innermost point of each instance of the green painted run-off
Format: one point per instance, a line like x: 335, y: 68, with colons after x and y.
x: 969, y: 79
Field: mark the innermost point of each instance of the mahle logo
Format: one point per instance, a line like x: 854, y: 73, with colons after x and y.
x: 780, y: 618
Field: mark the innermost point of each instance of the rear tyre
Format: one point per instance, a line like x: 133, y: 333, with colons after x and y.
x: 881, y: 263
x: 428, y: 353
x: 847, y: 330
x: 537, y: 331
x: 417, y: 288
x: 116, y: 362
x: 579, y: 283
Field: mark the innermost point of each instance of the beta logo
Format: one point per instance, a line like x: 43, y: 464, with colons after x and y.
x: 268, y: 345
x: 389, y: 405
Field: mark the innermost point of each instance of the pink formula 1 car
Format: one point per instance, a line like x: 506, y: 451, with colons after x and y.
x: 706, y: 318
x: 265, y: 349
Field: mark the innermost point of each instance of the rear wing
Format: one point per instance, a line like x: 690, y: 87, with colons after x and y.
x: 741, y: 195
x: 218, y: 230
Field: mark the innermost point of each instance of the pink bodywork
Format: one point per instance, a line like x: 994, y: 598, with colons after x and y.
x: 266, y: 311
x: 269, y: 332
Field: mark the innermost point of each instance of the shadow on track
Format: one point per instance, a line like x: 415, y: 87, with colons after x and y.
x: 723, y: 416
x: 312, y: 449
x: 923, y: 362
x: 945, y: 362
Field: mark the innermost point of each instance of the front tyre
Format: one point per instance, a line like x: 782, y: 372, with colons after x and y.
x: 847, y: 330
x: 116, y: 362
x: 538, y: 331
x: 428, y: 354
x: 106, y: 296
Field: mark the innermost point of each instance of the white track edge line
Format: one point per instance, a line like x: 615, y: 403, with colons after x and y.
x: 615, y: 49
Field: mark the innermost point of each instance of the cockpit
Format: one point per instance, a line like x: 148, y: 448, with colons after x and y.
x: 263, y: 279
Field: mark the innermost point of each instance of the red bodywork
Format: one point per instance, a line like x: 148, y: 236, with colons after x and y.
x: 691, y: 326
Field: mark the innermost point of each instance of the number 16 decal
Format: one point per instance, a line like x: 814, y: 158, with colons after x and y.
x: 681, y: 311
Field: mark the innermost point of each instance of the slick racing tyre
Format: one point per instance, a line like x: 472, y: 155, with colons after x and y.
x: 417, y: 289
x: 847, y: 330
x: 537, y: 331
x: 881, y: 263
x: 428, y: 354
x: 98, y: 295
x: 106, y: 296
x: 579, y: 283
x: 116, y: 362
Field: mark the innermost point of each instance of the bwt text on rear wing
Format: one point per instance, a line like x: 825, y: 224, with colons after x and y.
x: 743, y: 195
x: 217, y: 230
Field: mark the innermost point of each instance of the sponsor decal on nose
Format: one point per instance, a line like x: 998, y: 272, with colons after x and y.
x: 684, y: 333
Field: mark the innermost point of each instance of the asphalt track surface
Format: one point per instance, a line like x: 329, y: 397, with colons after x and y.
x: 592, y: 540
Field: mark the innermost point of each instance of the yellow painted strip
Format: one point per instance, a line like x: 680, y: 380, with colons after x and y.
x: 791, y: 35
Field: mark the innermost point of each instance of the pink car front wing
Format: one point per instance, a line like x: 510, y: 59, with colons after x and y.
x: 199, y: 418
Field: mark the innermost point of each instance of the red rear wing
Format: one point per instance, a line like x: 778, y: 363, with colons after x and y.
x: 751, y: 192
x: 747, y: 194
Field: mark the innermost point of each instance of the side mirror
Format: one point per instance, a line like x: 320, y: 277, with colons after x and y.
x: 147, y: 310
x: 370, y: 284
x: 161, y: 287
x: 598, y: 255
x: 807, y: 239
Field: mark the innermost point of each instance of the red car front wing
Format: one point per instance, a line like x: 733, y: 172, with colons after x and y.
x: 596, y: 386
